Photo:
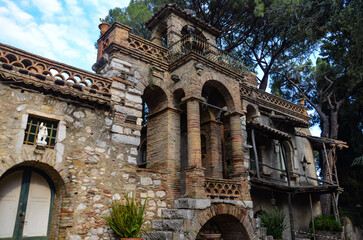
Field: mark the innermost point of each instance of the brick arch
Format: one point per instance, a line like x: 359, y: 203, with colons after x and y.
x: 158, y: 83
x: 224, y: 91
x: 203, y: 216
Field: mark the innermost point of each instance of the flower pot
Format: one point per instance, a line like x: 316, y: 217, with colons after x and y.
x: 103, y: 27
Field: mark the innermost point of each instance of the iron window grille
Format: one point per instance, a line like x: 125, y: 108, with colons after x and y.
x: 32, y: 129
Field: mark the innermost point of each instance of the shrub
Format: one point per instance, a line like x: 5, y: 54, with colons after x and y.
x: 326, y: 223
x: 126, y: 217
x: 275, y: 222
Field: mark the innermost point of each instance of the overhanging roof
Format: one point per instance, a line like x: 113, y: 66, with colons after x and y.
x: 318, y: 142
x: 274, y: 133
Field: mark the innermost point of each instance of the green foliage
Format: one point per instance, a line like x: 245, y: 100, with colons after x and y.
x: 126, y: 217
x: 134, y: 15
x: 275, y: 222
x: 326, y: 223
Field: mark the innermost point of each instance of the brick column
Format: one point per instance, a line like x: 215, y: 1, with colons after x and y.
x: 194, y: 148
x: 194, y: 174
x: 237, y: 142
x: 215, y: 150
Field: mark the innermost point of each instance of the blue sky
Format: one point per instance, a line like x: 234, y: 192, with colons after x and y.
x: 62, y: 30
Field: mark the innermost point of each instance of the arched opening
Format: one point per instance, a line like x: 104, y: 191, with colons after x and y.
x: 286, y: 154
x: 29, y: 202
x: 178, y: 95
x: 224, y: 226
x: 215, y: 127
x: 154, y: 100
x: 251, y: 113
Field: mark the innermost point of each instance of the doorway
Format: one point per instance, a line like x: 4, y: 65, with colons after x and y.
x: 26, y: 200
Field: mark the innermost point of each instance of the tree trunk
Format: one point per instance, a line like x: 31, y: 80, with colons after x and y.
x: 326, y: 201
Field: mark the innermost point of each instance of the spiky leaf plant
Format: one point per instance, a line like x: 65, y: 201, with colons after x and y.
x: 275, y: 222
x: 127, y: 217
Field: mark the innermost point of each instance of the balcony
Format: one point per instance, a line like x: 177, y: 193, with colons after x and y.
x: 193, y: 44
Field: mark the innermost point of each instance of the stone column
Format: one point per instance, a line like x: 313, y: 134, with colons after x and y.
x: 157, y: 38
x: 237, y: 144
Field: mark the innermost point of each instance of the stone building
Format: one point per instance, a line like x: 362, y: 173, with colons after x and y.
x: 174, y: 120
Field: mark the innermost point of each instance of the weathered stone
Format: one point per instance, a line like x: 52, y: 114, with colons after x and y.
x: 178, y: 214
x: 160, y: 194
x: 81, y: 207
x: 108, y: 121
x: 94, y: 159
x: 150, y: 194
x: 117, y: 129
x: 167, y: 225
x: 131, y: 159
x: 160, y: 235
x: 79, y: 114
x: 116, y: 197
x: 75, y: 237
x: 118, y: 85
x: 125, y: 139
x: 133, y: 98
x: 146, y: 181
x: 157, y: 182
x: 189, y: 203
x: 128, y: 111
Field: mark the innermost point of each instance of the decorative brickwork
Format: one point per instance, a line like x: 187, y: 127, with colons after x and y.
x: 147, y: 47
x: 222, y: 189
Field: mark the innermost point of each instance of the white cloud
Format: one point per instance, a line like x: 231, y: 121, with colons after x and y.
x: 63, y: 30
x: 15, y: 12
x: 48, y: 7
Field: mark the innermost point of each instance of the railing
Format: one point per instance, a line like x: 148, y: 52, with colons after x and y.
x: 250, y: 93
x: 222, y: 189
x: 193, y: 44
x: 148, y: 47
x: 54, y: 72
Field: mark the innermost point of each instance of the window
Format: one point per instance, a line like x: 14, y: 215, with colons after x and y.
x: 32, y: 129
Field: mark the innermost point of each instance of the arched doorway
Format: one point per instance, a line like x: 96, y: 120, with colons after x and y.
x: 26, y: 200
x: 223, y: 227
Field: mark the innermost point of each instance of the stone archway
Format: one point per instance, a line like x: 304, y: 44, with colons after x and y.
x: 232, y: 222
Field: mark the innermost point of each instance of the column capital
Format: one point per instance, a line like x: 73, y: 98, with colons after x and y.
x: 236, y: 113
x: 190, y: 98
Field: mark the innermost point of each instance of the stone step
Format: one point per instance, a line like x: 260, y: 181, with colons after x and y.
x: 175, y: 225
x: 160, y: 235
x: 178, y: 214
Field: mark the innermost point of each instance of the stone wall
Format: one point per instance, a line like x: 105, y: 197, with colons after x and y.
x: 94, y: 160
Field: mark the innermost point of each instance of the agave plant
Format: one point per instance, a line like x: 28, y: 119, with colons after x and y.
x: 126, y: 217
x: 275, y: 222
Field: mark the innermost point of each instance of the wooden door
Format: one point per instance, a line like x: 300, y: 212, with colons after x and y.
x: 26, y: 198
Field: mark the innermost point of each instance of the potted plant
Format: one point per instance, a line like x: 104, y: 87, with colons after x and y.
x: 274, y: 221
x: 104, y: 26
x: 126, y: 218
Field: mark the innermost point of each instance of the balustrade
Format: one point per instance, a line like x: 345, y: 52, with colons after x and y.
x: 55, y: 73
x: 222, y: 189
